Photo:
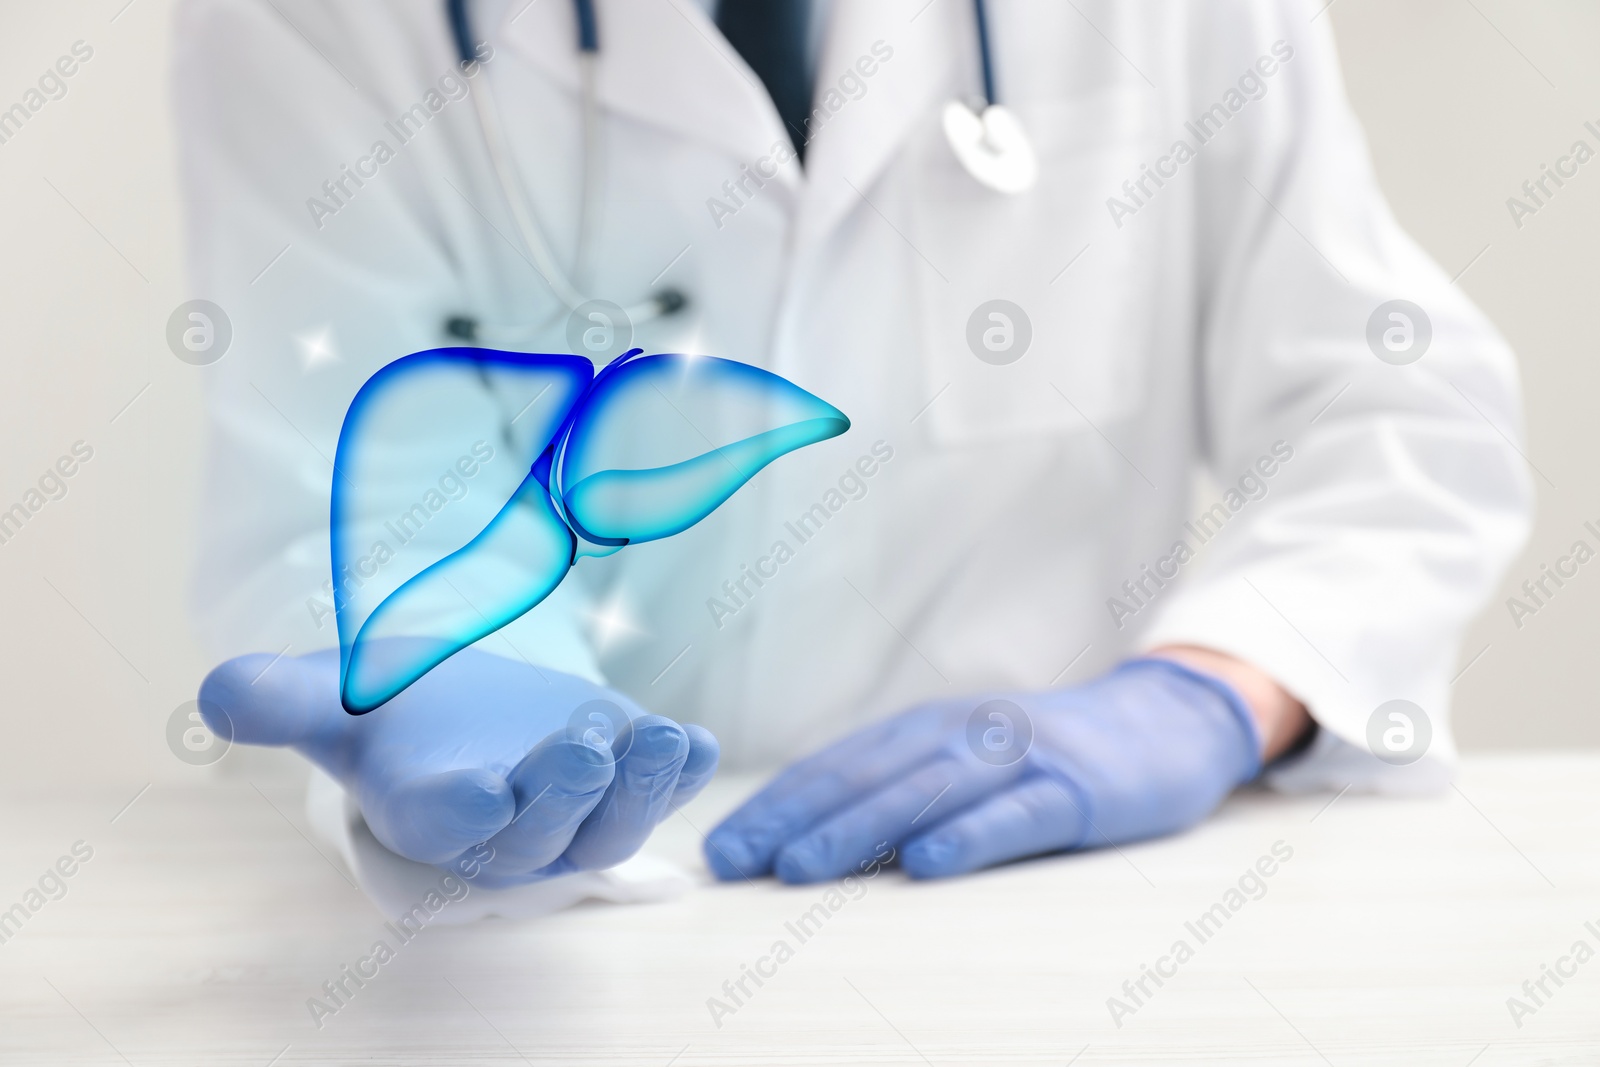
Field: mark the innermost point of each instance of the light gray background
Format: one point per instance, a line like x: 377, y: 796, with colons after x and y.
x: 1462, y: 100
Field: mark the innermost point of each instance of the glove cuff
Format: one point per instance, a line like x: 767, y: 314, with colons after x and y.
x: 1231, y: 699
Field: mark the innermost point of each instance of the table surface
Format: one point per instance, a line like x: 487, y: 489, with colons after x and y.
x: 1395, y: 933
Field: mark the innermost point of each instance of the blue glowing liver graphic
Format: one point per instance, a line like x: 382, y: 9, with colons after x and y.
x: 642, y: 450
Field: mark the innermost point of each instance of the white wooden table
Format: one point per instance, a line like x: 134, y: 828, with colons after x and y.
x: 1394, y: 934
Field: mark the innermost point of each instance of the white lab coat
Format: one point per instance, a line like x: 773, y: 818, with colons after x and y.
x: 1190, y: 329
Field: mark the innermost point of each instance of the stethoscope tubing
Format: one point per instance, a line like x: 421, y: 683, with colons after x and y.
x: 980, y: 14
x: 565, y: 286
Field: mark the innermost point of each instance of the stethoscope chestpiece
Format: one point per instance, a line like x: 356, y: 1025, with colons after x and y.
x: 992, y: 146
x: 670, y: 302
x: 461, y: 328
x: 987, y: 137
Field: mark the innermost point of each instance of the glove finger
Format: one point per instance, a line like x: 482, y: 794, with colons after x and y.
x: 1033, y: 817
x: 261, y: 699
x: 856, y: 835
x: 699, y: 767
x: 556, y: 786
x: 745, y: 844
x: 434, y: 818
x: 655, y: 751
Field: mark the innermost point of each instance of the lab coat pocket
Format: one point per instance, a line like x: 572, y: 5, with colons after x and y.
x: 1037, y: 304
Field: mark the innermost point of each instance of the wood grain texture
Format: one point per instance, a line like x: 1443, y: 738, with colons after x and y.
x: 1394, y: 934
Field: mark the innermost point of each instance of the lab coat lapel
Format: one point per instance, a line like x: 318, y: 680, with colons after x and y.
x: 854, y: 144
x: 662, y: 62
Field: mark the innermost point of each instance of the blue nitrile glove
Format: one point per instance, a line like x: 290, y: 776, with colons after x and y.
x: 956, y: 785
x: 480, y: 749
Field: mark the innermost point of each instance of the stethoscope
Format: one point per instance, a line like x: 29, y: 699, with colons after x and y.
x: 659, y: 304
x: 988, y: 140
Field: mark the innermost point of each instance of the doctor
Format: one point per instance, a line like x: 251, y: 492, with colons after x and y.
x: 1003, y: 598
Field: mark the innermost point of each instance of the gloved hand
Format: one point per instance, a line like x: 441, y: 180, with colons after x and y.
x: 555, y: 773
x: 956, y: 785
